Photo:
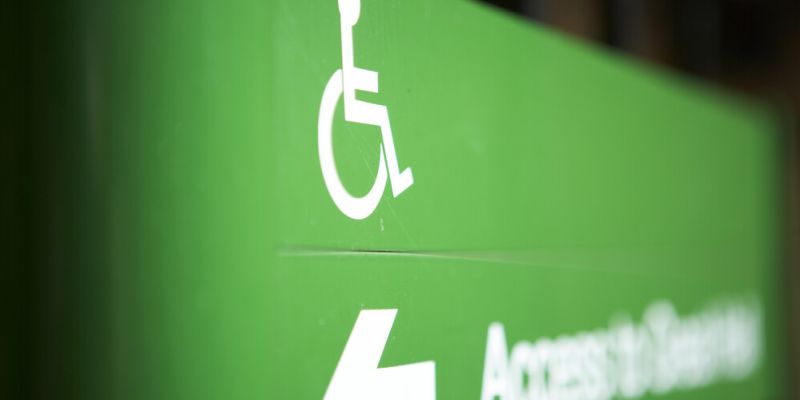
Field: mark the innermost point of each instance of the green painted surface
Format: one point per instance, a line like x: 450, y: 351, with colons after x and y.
x: 555, y: 186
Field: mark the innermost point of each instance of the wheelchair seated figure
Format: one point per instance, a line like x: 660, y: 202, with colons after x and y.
x: 357, y: 111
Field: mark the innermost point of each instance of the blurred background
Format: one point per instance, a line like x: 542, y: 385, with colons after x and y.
x: 747, y: 47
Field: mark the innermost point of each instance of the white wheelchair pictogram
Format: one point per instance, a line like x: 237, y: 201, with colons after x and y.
x: 344, y: 83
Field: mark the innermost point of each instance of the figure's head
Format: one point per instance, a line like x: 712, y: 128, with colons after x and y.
x: 349, y: 11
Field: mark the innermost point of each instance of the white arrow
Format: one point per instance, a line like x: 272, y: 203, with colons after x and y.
x: 357, y: 376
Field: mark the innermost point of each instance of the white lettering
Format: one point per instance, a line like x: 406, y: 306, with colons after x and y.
x: 666, y: 352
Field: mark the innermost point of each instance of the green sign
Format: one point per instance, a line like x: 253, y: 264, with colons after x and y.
x: 426, y: 200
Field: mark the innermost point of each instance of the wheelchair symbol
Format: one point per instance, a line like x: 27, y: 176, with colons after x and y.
x: 344, y: 83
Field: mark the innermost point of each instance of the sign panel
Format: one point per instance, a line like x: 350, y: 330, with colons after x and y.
x: 418, y: 199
